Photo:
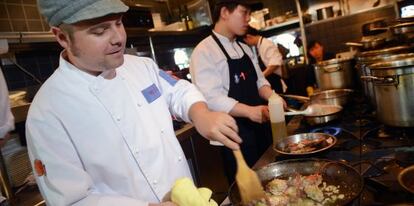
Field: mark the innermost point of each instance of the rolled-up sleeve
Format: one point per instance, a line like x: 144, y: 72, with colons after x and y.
x: 270, y: 53
x: 6, y: 117
x: 207, y: 75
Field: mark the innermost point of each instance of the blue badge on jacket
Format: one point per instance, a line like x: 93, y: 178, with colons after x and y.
x: 167, y: 78
x: 151, y: 93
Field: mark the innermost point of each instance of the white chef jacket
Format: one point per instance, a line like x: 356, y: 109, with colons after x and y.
x: 6, y: 117
x: 109, y: 142
x: 270, y: 54
x: 210, y: 71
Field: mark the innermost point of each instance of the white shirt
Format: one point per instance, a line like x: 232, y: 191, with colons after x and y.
x: 270, y: 54
x: 210, y: 71
x: 109, y: 142
x: 6, y: 117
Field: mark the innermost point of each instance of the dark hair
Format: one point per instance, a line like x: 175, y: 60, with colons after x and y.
x: 229, y: 5
x: 252, y: 31
x: 312, y: 44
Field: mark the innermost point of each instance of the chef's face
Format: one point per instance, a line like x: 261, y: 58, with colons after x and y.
x: 238, y: 20
x: 317, y: 52
x: 95, y: 45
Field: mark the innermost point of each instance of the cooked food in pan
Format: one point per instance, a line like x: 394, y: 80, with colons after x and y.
x: 300, y: 190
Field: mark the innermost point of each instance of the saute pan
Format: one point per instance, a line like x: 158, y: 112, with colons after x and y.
x: 333, y: 97
x: 350, y: 182
x: 322, y: 115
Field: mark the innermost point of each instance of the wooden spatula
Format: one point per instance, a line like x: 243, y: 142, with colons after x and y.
x: 247, y: 180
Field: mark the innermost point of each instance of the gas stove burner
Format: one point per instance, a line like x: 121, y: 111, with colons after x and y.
x: 328, y: 130
x: 362, y: 122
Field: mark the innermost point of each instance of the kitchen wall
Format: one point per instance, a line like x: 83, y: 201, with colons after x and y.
x: 20, y: 15
x: 334, y: 33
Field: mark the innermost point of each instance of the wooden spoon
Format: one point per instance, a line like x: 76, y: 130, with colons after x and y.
x: 250, y: 187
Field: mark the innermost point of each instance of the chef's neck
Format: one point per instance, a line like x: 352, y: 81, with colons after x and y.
x: 223, y: 30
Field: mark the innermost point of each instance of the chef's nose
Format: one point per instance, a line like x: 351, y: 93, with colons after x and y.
x: 118, y: 35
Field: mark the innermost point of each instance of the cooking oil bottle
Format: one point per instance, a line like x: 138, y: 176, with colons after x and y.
x: 277, y: 117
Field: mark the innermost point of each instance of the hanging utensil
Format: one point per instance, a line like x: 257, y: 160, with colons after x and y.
x: 247, y: 180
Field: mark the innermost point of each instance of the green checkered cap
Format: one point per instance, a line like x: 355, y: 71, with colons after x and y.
x: 72, y: 11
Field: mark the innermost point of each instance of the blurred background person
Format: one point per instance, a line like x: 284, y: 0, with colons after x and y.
x: 269, y: 58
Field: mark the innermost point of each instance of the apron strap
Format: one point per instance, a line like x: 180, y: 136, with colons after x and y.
x: 220, y: 45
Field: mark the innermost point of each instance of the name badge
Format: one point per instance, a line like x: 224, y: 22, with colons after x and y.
x: 151, y: 93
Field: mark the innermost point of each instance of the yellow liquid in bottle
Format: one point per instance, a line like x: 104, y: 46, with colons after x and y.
x: 279, y: 131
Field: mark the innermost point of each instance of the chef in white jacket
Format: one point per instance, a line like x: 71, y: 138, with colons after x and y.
x: 99, y: 131
x: 6, y: 117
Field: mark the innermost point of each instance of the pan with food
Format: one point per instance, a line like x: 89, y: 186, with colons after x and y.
x: 306, y: 181
x: 305, y: 143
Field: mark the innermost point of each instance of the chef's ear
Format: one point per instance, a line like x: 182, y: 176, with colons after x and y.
x: 224, y: 13
x: 62, y: 37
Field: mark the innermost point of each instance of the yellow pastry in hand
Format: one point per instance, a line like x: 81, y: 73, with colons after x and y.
x: 185, y: 193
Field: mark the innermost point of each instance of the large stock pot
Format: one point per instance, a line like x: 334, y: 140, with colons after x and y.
x: 335, y: 74
x: 364, y: 59
x: 394, y: 85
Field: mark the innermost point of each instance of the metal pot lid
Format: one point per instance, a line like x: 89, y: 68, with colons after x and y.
x: 393, y: 67
x: 391, y: 50
x: 387, y: 57
x: 399, y: 63
x: 332, y: 61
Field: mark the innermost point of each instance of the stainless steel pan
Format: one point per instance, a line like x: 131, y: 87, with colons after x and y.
x: 333, y: 173
x: 322, y: 115
x: 314, y: 142
x: 406, y: 178
x: 332, y: 97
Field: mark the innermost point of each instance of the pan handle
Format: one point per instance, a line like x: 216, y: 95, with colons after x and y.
x: 296, y: 97
x: 330, y: 69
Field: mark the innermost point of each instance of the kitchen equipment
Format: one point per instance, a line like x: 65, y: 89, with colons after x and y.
x: 335, y: 74
x: 323, y: 116
x: 317, y: 141
x: 402, y: 28
x: 338, y: 97
x: 333, y: 173
x: 248, y: 182
x: 311, y: 109
x: 324, y: 13
x: 406, y: 178
x: 374, y: 27
x: 394, y: 84
x: 363, y: 70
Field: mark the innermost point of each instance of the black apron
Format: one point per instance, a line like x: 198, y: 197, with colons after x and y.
x: 273, y: 78
x: 256, y: 137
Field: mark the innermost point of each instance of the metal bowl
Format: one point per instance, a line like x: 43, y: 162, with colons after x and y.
x: 406, y: 178
x: 332, y: 97
x: 282, y: 146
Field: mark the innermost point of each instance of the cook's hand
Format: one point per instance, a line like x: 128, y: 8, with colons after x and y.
x: 259, y: 113
x: 162, y: 204
x: 215, y: 126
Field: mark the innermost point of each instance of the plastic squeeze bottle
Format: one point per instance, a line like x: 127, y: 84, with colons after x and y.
x: 277, y: 117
